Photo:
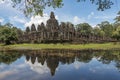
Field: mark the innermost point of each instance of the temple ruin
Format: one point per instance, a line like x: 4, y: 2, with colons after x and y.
x: 55, y: 32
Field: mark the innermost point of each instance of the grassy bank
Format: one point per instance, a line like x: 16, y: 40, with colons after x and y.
x: 104, y: 46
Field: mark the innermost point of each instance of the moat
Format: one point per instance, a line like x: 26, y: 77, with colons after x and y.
x: 60, y: 65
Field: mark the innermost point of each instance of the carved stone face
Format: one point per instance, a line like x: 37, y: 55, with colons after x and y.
x: 52, y: 16
x: 27, y: 29
x: 33, y: 28
x: 42, y: 24
x: 39, y: 28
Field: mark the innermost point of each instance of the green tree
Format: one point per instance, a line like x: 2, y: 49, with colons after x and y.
x: 107, y: 28
x: 116, y: 33
x: 115, y: 25
x: 84, y: 28
x: 7, y: 34
x: 96, y: 30
x: 118, y: 17
x: 102, y: 33
x: 35, y: 7
x: 18, y: 31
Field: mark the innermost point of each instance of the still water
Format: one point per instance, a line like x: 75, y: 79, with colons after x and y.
x: 60, y: 65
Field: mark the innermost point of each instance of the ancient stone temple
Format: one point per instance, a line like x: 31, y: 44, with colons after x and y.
x: 52, y: 28
x: 51, y: 32
x: 55, y: 32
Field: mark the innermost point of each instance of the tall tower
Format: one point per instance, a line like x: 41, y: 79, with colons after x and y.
x: 52, y: 27
x: 52, y: 23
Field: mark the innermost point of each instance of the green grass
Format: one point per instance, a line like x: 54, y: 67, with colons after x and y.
x: 94, y: 46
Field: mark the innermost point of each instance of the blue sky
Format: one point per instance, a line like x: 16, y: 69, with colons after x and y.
x: 72, y: 11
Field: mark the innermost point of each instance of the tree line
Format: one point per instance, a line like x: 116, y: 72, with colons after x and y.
x: 104, y: 29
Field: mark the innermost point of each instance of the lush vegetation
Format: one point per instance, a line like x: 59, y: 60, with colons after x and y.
x: 104, y: 29
x: 9, y: 34
x: 35, y: 7
x: 104, y: 46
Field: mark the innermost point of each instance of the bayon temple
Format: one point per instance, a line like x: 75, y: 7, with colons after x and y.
x: 55, y: 32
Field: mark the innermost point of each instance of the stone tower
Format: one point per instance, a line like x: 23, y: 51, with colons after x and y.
x: 52, y: 27
x: 33, y: 28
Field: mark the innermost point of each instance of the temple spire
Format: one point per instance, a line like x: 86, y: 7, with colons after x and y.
x: 52, y: 16
x: 33, y: 28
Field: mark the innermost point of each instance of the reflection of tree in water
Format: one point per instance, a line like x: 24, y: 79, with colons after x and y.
x: 118, y: 65
x: 85, y: 56
x: 107, y: 57
x: 53, y: 57
x: 117, y: 60
x: 9, y: 57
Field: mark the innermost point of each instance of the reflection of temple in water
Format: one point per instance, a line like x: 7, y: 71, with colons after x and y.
x: 45, y: 61
x: 50, y: 63
x: 52, y: 58
x: 38, y: 67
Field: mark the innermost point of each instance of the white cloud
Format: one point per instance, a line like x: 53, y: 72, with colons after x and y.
x: 106, y: 17
x: 1, y: 20
x: 17, y: 19
x: 90, y: 15
x: 38, y: 67
x: 7, y: 73
x: 101, y: 16
x: 38, y: 19
x: 65, y: 18
x: 77, y: 20
x: 77, y: 65
x: 93, y: 24
x: 2, y: 2
x: 56, y: 16
x: 6, y: 2
x: 12, y: 15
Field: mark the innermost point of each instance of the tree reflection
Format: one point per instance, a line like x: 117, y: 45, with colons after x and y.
x: 9, y: 57
x: 54, y: 57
